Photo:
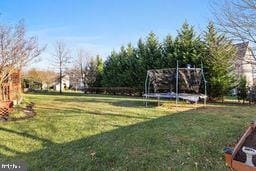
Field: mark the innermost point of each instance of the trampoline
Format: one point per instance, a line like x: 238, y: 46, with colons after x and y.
x: 175, y: 83
x: 168, y: 95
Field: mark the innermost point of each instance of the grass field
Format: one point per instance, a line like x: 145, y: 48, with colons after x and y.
x: 95, y: 132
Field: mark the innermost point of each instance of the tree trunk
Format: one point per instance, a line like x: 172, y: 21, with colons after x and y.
x: 84, y: 87
x: 60, y: 80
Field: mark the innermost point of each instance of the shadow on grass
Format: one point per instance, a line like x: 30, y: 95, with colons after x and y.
x: 131, y: 147
x: 115, y: 101
x: 120, y: 101
x: 131, y: 101
x: 157, y: 144
x: 78, y: 112
x: 135, y: 103
x: 54, y: 93
x: 101, y: 98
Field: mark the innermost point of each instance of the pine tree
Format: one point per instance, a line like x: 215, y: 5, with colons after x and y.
x: 120, y: 69
x: 187, y: 46
x: 153, y: 52
x: 168, y: 53
x: 142, y: 67
x: 125, y: 71
x: 218, y: 56
x: 133, y: 66
x: 111, y: 67
x: 242, y: 89
x: 99, y: 67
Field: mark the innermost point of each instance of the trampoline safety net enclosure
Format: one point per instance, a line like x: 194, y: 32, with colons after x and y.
x: 176, y: 83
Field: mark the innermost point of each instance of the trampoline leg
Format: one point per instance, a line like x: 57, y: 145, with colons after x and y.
x: 158, y: 101
x: 146, y: 101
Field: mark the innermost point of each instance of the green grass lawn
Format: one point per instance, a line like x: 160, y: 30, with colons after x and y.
x: 95, y: 132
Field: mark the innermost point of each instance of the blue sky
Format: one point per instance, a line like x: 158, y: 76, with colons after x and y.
x: 99, y: 26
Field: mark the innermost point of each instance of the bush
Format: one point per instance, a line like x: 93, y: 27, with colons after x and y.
x: 242, y: 89
x: 252, y: 95
x: 129, y: 91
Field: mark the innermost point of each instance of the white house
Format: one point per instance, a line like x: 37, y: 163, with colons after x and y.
x: 45, y: 86
x: 245, y: 63
x: 65, y: 83
x: 76, y: 82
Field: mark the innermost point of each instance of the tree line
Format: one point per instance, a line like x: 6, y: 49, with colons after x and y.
x: 128, y: 66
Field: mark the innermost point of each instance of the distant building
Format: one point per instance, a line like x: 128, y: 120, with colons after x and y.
x: 245, y: 63
x: 76, y: 83
x: 65, y: 83
x: 45, y: 86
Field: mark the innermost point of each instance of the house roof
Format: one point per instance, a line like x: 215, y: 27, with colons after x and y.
x: 241, y: 49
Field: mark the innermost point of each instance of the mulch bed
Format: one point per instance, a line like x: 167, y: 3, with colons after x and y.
x: 28, y: 111
x: 250, y: 141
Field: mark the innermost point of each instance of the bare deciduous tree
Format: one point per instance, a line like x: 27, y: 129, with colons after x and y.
x: 48, y: 77
x: 43, y: 76
x: 74, y: 76
x: 85, y: 69
x: 82, y: 62
x: 237, y: 18
x: 91, y: 71
x: 61, y: 58
x: 16, y: 49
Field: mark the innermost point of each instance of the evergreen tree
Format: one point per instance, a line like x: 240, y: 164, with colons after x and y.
x: 99, y: 68
x: 111, y: 67
x: 242, y: 89
x: 153, y: 53
x: 128, y: 67
x: 187, y: 46
x: 149, y: 56
x: 132, y: 67
x: 168, y: 53
x: 142, y: 67
x: 218, y: 56
x: 124, y: 70
x: 121, y: 68
x: 91, y: 72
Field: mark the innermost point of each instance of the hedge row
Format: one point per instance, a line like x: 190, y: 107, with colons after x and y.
x: 129, y: 91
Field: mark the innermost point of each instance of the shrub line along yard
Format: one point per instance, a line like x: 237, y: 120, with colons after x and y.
x: 100, y: 132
